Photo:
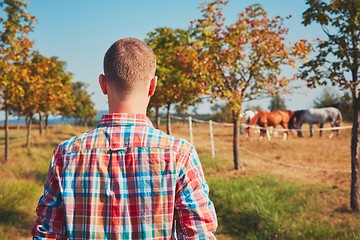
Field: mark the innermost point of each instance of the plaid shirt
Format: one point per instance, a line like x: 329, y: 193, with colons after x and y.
x: 125, y: 180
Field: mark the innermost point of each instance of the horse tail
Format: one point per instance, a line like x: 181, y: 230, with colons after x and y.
x: 339, y: 119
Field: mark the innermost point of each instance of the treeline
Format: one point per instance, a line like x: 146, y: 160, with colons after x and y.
x: 32, y: 84
x: 328, y: 98
x: 234, y: 62
x: 213, y: 59
x: 252, y: 58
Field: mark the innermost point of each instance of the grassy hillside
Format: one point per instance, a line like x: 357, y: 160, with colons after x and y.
x: 294, y: 189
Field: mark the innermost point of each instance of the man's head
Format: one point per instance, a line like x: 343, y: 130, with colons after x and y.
x: 129, y: 70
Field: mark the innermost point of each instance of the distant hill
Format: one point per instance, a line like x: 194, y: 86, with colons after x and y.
x: 52, y: 120
x: 100, y: 113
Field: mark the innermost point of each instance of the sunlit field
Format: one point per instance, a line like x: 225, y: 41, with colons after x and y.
x: 292, y: 189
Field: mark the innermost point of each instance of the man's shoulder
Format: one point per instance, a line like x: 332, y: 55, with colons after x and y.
x: 155, y: 138
x: 73, y: 143
x: 172, y: 142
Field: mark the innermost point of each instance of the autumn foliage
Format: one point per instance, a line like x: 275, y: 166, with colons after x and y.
x: 241, y: 61
x: 30, y: 83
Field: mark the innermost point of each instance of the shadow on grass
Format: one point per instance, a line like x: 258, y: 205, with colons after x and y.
x: 40, y: 177
x: 10, y: 138
x: 16, y: 221
x: 45, y: 144
x: 66, y: 134
x: 246, y: 224
x: 245, y: 214
x: 343, y: 209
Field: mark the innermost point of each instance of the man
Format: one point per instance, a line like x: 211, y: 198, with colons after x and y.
x: 125, y: 179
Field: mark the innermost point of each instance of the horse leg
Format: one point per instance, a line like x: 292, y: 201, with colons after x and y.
x: 286, y: 131
x: 262, y: 133
x: 298, y: 129
x: 311, y: 130
x: 268, y: 134
x: 336, y: 124
x: 271, y: 130
x: 265, y: 130
x: 249, y: 129
x: 321, y: 125
x: 332, y: 131
x: 285, y: 136
x: 257, y: 129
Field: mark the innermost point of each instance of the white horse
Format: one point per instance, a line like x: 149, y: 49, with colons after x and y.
x: 248, y: 115
x: 316, y: 116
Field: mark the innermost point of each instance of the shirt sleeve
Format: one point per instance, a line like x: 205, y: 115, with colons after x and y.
x: 195, y: 214
x: 50, y: 222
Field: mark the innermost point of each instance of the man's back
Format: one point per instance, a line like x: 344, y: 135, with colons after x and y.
x: 126, y: 180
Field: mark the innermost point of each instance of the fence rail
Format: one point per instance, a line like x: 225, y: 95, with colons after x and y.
x: 211, y: 123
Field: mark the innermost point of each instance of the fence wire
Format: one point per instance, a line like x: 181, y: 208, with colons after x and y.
x: 191, y: 120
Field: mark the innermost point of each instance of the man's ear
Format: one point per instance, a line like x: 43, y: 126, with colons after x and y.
x: 152, y: 87
x: 102, y: 82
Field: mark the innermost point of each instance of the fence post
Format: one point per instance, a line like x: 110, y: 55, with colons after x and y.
x: 190, y: 127
x: 212, y: 140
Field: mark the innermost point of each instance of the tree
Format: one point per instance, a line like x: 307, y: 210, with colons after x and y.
x: 277, y: 103
x: 337, y: 62
x: 54, y: 82
x: 42, y: 87
x: 329, y: 98
x: 57, y: 88
x: 29, y: 92
x: 174, y: 87
x: 221, y: 113
x: 15, y: 47
x: 346, y: 107
x: 242, y: 61
x: 84, y: 110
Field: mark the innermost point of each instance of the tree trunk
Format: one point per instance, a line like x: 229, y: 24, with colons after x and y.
x: 355, y: 135
x: 18, y: 122
x: 168, y: 119
x: 6, y: 129
x: 46, y: 122
x: 236, y: 141
x: 28, y: 126
x: 158, y: 120
x: 40, y: 124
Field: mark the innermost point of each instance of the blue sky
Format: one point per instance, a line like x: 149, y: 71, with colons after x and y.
x: 79, y: 32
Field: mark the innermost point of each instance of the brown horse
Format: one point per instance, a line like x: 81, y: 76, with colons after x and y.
x: 274, y: 118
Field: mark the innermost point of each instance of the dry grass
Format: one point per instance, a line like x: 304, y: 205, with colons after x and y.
x: 318, y: 161
x: 312, y: 160
x: 309, y: 161
x: 23, y: 176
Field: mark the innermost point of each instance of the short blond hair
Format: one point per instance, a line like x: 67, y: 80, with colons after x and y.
x: 129, y: 64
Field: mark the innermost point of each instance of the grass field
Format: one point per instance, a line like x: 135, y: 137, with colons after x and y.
x: 293, y: 189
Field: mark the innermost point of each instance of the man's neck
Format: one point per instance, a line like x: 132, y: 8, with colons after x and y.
x: 127, y: 107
